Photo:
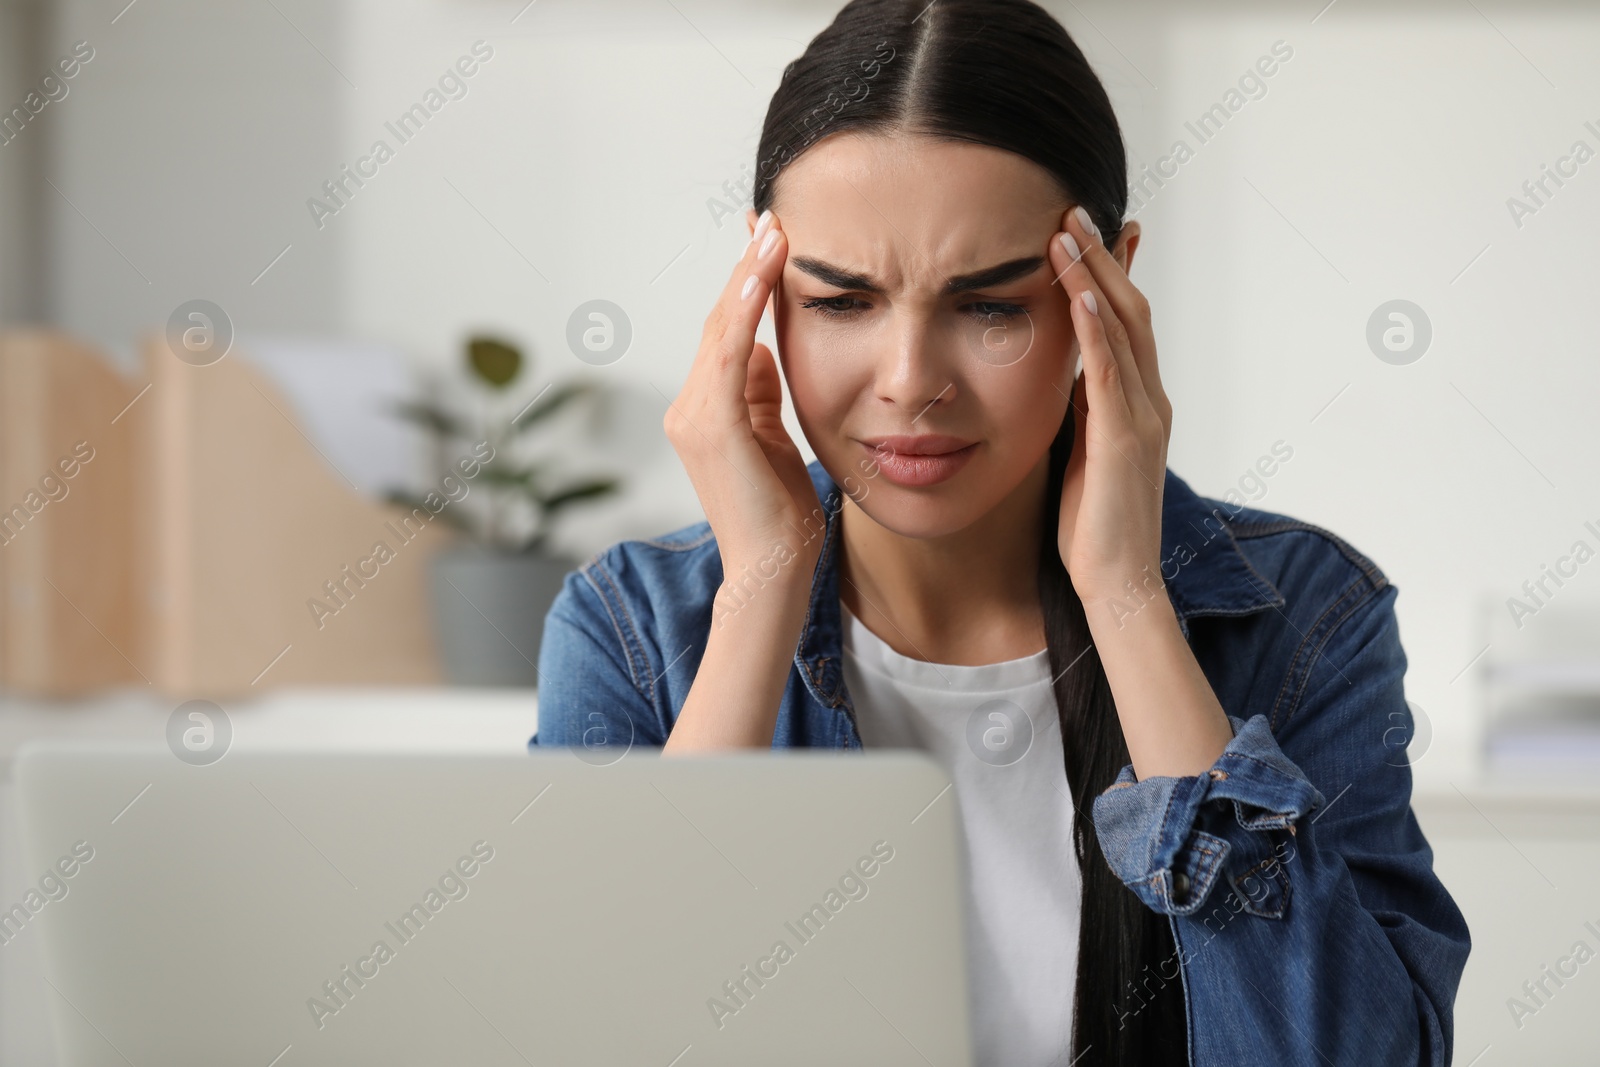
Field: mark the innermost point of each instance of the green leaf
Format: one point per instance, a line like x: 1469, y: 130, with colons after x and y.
x: 597, y: 487
x: 450, y: 517
x: 496, y: 362
x: 432, y: 417
x: 523, y: 477
x: 552, y: 401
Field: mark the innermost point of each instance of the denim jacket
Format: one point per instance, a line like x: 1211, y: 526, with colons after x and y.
x: 1310, y: 927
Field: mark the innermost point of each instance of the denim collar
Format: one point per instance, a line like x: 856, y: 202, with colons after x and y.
x: 1205, y: 571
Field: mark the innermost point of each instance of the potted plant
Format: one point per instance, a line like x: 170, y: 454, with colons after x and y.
x: 492, y: 589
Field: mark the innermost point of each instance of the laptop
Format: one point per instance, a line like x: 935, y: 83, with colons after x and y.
x: 282, y: 908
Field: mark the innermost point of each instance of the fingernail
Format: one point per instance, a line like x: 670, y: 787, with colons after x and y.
x: 761, y: 225
x: 1090, y: 303
x: 767, y: 245
x: 1085, y: 221
x: 1071, y: 246
x: 749, y: 287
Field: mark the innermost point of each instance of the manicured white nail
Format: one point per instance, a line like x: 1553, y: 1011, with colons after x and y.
x: 749, y: 287
x: 1085, y: 221
x: 1090, y: 303
x: 1071, y: 246
x: 761, y: 225
x: 767, y: 245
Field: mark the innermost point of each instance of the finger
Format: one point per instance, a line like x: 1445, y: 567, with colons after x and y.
x: 731, y: 327
x: 756, y: 258
x: 1076, y: 278
x: 1105, y: 388
x: 1080, y: 416
x: 763, y: 391
x: 1127, y: 302
x: 1076, y: 258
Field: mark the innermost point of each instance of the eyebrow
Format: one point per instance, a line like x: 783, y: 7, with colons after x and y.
x: 999, y: 274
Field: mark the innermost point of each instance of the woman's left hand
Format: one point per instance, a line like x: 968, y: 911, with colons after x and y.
x: 1110, y: 527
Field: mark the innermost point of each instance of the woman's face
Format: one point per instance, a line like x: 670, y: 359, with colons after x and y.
x: 918, y: 300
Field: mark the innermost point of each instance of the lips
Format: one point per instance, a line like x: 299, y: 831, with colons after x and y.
x: 917, y: 461
x: 931, y: 444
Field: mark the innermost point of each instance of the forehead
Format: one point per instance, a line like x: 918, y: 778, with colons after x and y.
x: 912, y: 210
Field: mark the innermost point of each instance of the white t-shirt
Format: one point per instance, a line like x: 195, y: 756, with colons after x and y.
x: 1015, y: 820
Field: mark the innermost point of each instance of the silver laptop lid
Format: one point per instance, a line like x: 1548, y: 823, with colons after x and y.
x: 290, y: 908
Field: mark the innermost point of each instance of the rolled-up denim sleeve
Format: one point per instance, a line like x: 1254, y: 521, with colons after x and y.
x: 595, y: 675
x: 1308, y: 922
x: 1168, y: 838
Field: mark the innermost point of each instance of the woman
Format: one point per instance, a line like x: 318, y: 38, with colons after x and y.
x: 990, y: 560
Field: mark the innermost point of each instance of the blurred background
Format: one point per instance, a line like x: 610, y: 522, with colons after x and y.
x: 242, y: 346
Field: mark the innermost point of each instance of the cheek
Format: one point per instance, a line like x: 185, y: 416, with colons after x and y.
x: 1023, y: 405
x: 1044, y: 351
x: 818, y: 372
x: 825, y: 365
x: 1025, y: 401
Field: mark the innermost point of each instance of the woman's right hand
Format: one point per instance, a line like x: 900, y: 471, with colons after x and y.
x: 726, y: 425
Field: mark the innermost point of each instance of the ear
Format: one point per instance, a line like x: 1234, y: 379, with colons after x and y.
x: 1127, y: 243
x: 750, y: 218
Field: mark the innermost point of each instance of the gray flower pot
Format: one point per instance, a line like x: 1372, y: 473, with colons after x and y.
x: 488, y: 612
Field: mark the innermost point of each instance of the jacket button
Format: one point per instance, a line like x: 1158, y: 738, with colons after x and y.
x: 1180, y: 886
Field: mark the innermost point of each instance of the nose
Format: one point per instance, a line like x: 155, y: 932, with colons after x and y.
x: 914, y: 370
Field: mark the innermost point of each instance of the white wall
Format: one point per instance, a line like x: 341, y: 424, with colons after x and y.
x: 179, y: 155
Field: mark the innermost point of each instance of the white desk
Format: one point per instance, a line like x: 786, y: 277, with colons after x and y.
x: 437, y: 720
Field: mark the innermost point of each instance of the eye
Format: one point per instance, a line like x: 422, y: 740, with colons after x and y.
x: 830, y: 306
x: 992, y: 311
x: 987, y: 312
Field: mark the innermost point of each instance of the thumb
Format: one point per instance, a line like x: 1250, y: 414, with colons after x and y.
x: 763, y: 389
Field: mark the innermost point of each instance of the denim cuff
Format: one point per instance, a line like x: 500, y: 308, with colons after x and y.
x: 1167, y: 838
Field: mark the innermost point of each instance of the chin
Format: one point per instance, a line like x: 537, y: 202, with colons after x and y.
x: 925, y: 511
x: 920, y: 518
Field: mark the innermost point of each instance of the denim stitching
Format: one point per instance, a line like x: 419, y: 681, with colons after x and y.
x: 1247, y: 758
x: 1262, y: 529
x: 1248, y: 530
x: 1252, y: 824
x: 589, y: 570
x: 1166, y: 817
x: 1295, y: 665
x: 679, y: 546
x: 1283, y: 884
x: 1273, y: 820
x: 1268, y: 861
x: 1333, y: 628
x: 1294, y: 660
x: 1251, y: 567
x: 1204, y: 875
x: 1206, y: 870
x: 816, y: 681
x: 623, y: 639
